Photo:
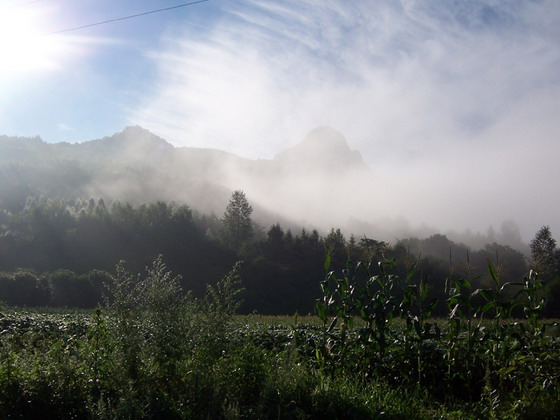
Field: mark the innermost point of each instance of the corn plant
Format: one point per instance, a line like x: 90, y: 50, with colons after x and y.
x: 376, y: 300
x: 422, y: 330
x: 337, y: 301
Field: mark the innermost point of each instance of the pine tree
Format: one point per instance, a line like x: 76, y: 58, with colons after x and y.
x: 238, y: 226
x: 544, y: 255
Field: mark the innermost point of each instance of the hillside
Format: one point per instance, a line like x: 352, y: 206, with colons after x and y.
x: 137, y: 166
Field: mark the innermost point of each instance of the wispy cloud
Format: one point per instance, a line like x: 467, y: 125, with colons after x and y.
x: 64, y: 127
x: 452, y: 103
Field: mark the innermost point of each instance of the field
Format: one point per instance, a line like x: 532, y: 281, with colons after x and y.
x: 152, y: 352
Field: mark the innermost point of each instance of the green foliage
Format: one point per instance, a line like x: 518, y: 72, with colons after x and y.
x: 238, y: 226
x: 23, y: 288
x: 82, y: 236
x: 545, y: 258
x: 156, y: 293
x: 75, y: 369
x: 462, y: 357
x: 224, y: 298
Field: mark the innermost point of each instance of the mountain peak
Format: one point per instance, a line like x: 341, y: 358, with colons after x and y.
x: 140, y: 137
x: 132, y: 144
x: 322, y: 148
x: 325, y: 137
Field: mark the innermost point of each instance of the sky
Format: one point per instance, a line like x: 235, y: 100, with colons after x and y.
x: 453, y: 104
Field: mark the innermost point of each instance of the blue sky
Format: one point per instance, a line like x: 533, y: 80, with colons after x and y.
x: 460, y: 96
x: 97, y: 75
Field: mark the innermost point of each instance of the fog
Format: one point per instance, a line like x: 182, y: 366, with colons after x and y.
x: 452, y: 106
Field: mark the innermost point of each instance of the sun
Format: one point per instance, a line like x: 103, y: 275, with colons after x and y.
x: 23, y: 46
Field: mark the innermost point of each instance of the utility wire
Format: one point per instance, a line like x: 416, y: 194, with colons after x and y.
x: 126, y: 17
x: 22, y: 4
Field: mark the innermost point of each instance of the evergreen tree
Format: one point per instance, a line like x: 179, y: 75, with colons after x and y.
x: 335, y: 244
x: 238, y: 226
x: 544, y: 255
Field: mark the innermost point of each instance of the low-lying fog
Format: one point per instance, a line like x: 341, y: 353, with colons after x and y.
x: 452, y: 107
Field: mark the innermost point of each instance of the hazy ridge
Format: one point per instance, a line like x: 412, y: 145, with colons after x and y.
x: 318, y: 183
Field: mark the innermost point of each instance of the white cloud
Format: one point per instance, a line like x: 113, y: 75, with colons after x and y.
x: 64, y: 127
x: 446, y: 100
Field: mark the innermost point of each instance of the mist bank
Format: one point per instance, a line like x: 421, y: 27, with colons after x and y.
x: 319, y: 183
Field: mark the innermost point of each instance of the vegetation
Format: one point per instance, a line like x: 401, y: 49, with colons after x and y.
x: 423, y: 328
x: 152, y: 351
x: 545, y: 257
x: 238, y: 226
x: 59, y: 253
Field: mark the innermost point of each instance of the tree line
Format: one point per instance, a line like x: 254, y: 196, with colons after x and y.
x: 61, y: 253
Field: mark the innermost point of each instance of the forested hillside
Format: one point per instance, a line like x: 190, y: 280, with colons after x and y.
x: 318, y: 183
x: 137, y: 166
x: 55, y: 252
x: 58, y: 245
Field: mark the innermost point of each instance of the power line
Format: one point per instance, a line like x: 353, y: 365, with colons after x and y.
x: 22, y: 4
x: 126, y: 17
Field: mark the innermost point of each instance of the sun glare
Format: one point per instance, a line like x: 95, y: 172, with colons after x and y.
x: 23, y: 47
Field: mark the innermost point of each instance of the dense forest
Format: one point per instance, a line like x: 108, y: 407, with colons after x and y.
x: 56, y: 252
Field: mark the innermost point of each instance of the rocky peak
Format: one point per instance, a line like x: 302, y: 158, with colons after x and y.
x: 323, y: 148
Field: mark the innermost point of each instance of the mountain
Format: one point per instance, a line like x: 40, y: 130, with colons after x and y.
x: 137, y: 166
x: 132, y: 145
x: 324, y: 149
